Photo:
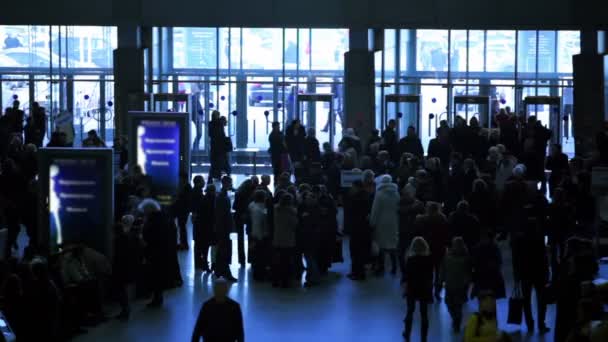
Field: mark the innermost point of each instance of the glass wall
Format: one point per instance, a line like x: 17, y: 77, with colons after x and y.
x: 505, y: 65
x: 253, y: 76
x: 66, y: 69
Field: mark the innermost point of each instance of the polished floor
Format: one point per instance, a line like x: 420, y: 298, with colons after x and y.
x: 337, y: 310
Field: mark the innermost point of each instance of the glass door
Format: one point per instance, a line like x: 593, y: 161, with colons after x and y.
x: 434, y: 109
x: 261, y: 99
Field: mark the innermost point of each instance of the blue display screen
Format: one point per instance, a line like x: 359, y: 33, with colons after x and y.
x: 158, y: 154
x: 75, y: 203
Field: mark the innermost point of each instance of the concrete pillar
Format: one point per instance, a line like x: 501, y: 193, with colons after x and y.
x: 128, y: 75
x: 359, y: 85
x: 589, y: 95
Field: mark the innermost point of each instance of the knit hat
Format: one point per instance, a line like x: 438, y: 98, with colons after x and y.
x: 519, y: 170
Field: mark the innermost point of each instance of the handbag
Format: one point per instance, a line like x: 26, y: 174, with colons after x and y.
x: 516, y: 306
x: 229, y: 146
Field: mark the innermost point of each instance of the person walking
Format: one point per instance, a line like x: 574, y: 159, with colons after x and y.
x: 224, y: 225
x: 220, y: 318
x: 202, y: 229
x: 456, y: 274
x: 418, y: 286
x: 284, y: 239
x: 434, y: 227
x: 384, y: 219
x: 357, y: 208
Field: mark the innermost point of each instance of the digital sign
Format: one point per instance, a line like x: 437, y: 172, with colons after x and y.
x: 76, y: 201
x: 158, y: 154
x: 75, y: 190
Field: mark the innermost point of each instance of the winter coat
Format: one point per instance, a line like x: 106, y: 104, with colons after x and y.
x: 419, y: 278
x: 411, y: 145
x: 435, y: 231
x: 259, y: 223
x: 285, y: 225
x: 384, y: 216
x: 456, y: 272
x: 487, y: 275
x: 467, y: 226
x: 224, y: 223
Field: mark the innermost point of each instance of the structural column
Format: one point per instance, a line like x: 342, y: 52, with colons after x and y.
x: 359, y: 85
x: 589, y: 92
x: 128, y: 75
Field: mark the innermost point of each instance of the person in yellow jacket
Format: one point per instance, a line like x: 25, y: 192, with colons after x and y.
x: 483, y: 326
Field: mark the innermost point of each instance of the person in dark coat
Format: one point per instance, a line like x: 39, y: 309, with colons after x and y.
x: 463, y: 223
x: 203, y: 228
x: 456, y: 182
x: 312, y: 152
x: 409, y: 209
x: 217, y: 146
x: 242, y: 197
x: 390, y: 141
x: 560, y: 227
x: 276, y: 141
x: 557, y: 163
x: 579, y: 265
x: 434, y: 227
x: 440, y: 147
x: 329, y: 229
x: 223, y: 226
x: 418, y: 286
x: 181, y: 208
x: 411, y: 143
x: 531, y: 267
x: 220, y: 318
x: 156, y: 235
x: 295, y: 137
x: 487, y: 265
x: 357, y: 208
x: 482, y: 205
x: 309, y: 236
x: 124, y: 263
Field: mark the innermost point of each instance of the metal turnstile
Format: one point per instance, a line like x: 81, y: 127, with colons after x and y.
x: 405, y: 118
x: 548, y: 110
x: 309, y: 120
x: 482, y: 107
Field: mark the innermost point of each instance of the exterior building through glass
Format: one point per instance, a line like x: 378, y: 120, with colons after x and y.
x: 253, y: 75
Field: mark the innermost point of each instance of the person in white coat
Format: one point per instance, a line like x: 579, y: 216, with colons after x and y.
x: 384, y: 219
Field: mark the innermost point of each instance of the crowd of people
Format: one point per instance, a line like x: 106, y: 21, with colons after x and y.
x: 438, y: 216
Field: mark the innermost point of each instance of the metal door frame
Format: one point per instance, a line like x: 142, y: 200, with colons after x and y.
x: 312, y: 98
x: 552, y: 102
x: 474, y: 99
x: 403, y: 98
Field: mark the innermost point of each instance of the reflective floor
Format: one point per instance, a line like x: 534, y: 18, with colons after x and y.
x: 338, y: 310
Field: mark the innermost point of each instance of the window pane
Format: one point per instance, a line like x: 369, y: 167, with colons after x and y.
x: 458, y: 56
x: 405, y: 43
x: 432, y: 48
x: 328, y: 48
x: 500, y: 51
x: 476, y: 48
x: 225, y: 46
x: 304, y: 37
x: 546, y: 51
x: 235, y: 49
x: 25, y: 47
x: 194, y: 47
x: 262, y: 48
x: 526, y: 52
x: 88, y: 46
x: 291, y: 49
x: 390, y: 50
x: 568, y: 44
